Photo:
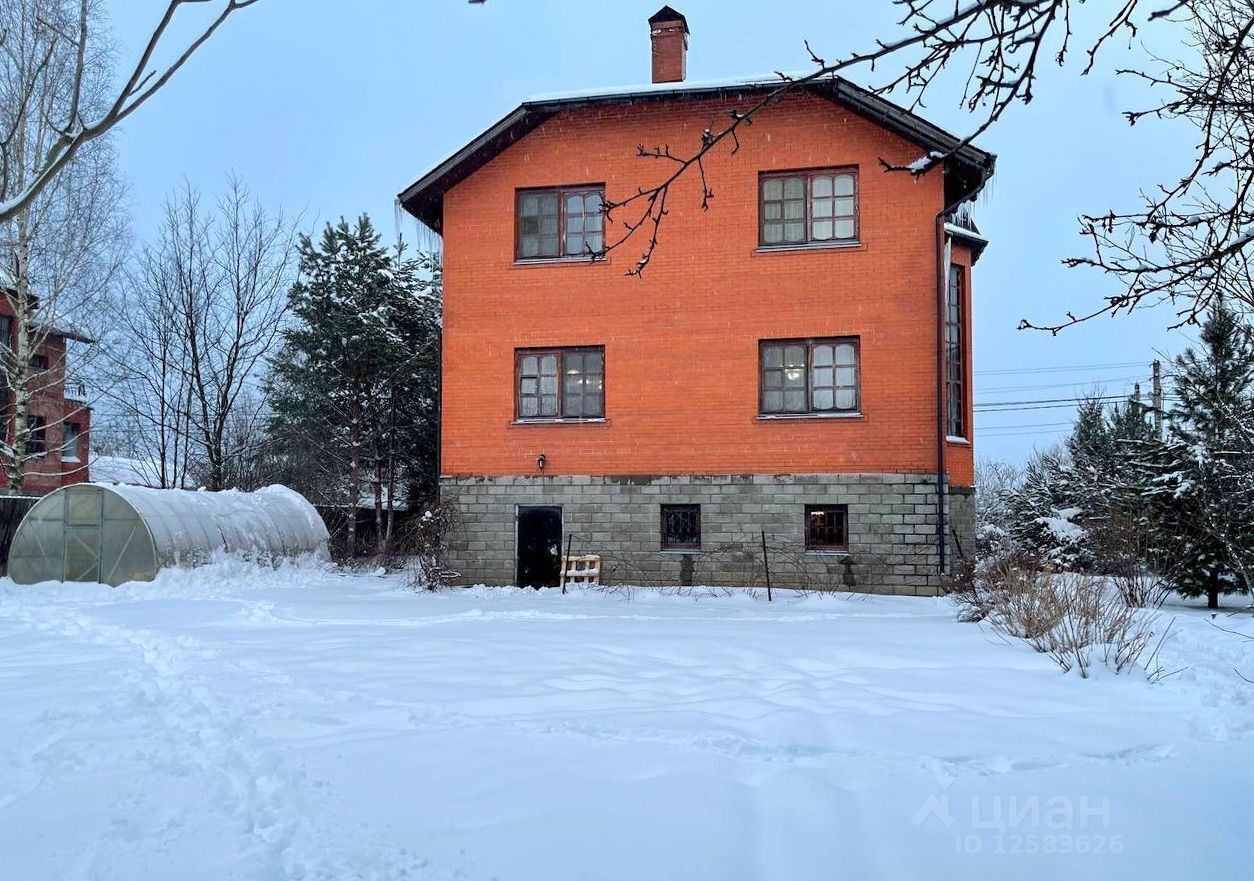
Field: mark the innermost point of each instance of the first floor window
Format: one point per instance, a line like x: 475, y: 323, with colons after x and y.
x: 681, y: 527
x: 827, y: 527
x: 809, y: 207
x: 70, y: 437
x: 809, y: 376
x: 560, y: 383
x: 560, y: 222
x: 955, y: 367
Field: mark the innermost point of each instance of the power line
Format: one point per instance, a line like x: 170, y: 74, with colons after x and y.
x: 1026, y: 425
x: 1061, y: 369
x: 1034, y: 433
x: 1071, y: 384
x: 993, y: 405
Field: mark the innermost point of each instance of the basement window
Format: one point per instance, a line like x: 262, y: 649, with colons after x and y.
x: 681, y: 527
x: 559, y: 223
x: 827, y: 527
x: 557, y: 384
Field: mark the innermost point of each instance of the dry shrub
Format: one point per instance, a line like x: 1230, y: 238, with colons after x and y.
x: 1074, y: 619
x: 425, y: 545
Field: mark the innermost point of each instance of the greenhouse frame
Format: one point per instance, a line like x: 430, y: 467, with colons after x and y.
x: 117, y: 533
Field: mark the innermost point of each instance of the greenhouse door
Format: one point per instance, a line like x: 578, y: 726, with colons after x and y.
x: 83, y: 516
x: 539, y: 546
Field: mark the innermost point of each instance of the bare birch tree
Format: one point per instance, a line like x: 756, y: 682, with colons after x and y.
x: 60, y: 44
x: 59, y: 253
x: 207, y: 306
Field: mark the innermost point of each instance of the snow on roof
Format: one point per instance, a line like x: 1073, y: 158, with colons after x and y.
x: 711, y: 85
x: 116, y: 469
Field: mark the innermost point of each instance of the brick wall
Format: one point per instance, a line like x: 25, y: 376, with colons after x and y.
x: 50, y: 402
x: 681, y: 343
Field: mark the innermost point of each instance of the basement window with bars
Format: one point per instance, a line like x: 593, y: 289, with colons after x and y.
x: 681, y: 527
x: 827, y: 528
x: 809, y: 377
x: 808, y: 208
x: 558, y: 384
x: 563, y: 222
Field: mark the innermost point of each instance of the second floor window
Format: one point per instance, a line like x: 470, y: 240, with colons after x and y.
x: 560, y: 383
x: 37, y: 436
x: 955, y: 366
x: 564, y: 222
x: 70, y: 436
x: 809, y: 376
x: 809, y: 207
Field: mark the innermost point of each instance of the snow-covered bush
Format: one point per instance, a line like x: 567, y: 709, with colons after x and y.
x: 424, y: 542
x: 1077, y: 620
x: 995, y: 485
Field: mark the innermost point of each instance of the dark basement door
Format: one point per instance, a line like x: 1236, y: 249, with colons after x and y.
x: 539, y: 545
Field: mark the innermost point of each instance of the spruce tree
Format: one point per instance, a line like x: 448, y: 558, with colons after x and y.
x: 353, y: 391
x: 1203, y: 483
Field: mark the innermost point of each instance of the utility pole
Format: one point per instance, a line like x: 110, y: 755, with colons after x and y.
x: 1157, y: 398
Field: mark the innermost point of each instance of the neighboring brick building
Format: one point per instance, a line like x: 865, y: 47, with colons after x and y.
x: 60, y: 414
x: 777, y: 367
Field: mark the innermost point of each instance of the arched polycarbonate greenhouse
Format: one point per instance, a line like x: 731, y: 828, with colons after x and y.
x: 115, y: 534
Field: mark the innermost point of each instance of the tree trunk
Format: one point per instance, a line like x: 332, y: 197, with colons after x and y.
x: 1212, y: 597
x: 378, y: 505
x: 20, y: 357
x: 354, y: 474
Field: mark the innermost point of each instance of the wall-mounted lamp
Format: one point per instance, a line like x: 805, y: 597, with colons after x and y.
x: 540, y: 460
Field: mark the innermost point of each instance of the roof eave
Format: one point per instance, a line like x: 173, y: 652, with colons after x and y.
x: 972, y: 166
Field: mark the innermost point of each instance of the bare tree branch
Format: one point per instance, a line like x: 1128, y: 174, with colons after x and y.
x: 18, y: 192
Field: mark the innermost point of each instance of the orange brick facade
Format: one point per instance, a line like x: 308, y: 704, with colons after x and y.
x: 681, y: 342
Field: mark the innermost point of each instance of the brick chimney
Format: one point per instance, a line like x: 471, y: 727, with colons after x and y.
x: 669, y: 32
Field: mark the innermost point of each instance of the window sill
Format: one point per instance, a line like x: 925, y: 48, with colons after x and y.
x: 817, y: 552
x: 960, y: 441
x: 601, y: 421
x: 524, y: 262
x: 810, y: 246
x: 73, y: 459
x: 787, y: 417
x: 679, y: 551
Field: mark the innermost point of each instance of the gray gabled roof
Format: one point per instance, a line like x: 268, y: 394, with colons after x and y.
x: 968, y: 169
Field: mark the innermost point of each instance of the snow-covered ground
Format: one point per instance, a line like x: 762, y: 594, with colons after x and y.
x: 235, y: 723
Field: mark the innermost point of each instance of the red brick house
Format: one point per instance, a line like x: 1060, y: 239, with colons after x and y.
x: 795, y: 361
x: 59, y: 412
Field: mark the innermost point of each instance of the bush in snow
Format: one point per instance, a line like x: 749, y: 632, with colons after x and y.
x: 425, y: 544
x: 1077, y: 620
x: 995, y: 485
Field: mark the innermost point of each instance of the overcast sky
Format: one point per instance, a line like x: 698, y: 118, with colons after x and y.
x: 329, y: 108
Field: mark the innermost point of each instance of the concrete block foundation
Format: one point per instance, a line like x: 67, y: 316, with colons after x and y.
x: 892, y: 545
